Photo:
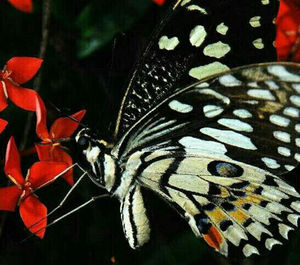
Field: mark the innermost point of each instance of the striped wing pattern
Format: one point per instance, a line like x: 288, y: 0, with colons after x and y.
x: 134, y: 219
x: 195, y: 39
x: 215, y: 151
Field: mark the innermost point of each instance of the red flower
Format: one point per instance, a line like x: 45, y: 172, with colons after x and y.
x: 3, y: 124
x: 22, y: 192
x: 288, y: 31
x: 19, y: 70
x: 50, y: 149
x: 22, y: 5
x: 159, y: 2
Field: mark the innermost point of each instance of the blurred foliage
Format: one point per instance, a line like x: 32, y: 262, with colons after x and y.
x: 92, y: 48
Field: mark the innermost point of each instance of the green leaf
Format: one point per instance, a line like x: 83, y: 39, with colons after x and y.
x: 100, y: 21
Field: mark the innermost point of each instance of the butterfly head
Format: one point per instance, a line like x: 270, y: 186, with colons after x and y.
x: 100, y: 165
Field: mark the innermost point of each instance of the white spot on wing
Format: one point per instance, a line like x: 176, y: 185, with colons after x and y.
x: 229, y: 137
x: 242, y: 113
x: 222, y: 28
x: 252, y: 84
x: 261, y: 93
x: 236, y: 125
x: 202, y: 84
x: 296, y: 206
x: 293, y: 218
x: 270, y: 242
x: 197, y: 8
x: 296, y: 87
x: 211, y: 111
x: 208, y: 70
x: 282, y: 136
x: 297, y: 128
x: 216, y: 50
x: 265, y: 2
x: 255, y: 21
x: 197, y: 35
x: 297, y: 141
x: 297, y: 157
x: 292, y: 112
x: 270, y: 163
x: 295, y: 100
x: 272, y: 85
x: 283, y: 74
x: 289, y: 167
x: 229, y: 80
x: 284, y: 230
x: 248, y: 250
x: 209, y: 147
x: 208, y: 91
x: 168, y: 43
x: 284, y: 151
x: 279, y: 120
x: 258, y: 44
x: 235, y: 234
x: 184, y: 2
x: 180, y: 107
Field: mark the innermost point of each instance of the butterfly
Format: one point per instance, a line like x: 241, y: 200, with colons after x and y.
x: 214, y: 149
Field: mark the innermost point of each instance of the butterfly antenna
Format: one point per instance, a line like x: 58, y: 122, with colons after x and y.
x: 56, y: 177
x: 67, y: 115
x: 62, y: 201
x: 94, y: 198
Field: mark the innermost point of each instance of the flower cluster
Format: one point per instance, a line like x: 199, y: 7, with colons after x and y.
x: 53, y: 159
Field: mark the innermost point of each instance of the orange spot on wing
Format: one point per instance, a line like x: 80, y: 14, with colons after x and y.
x: 213, y: 238
x: 216, y: 215
x: 239, y: 216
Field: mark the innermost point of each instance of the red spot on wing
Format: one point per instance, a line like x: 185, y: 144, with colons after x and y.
x: 213, y: 238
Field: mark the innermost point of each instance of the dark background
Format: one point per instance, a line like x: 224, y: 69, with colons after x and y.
x: 91, y: 50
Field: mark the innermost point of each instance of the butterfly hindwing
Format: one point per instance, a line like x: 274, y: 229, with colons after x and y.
x: 198, y: 38
x: 215, y: 149
x: 134, y: 218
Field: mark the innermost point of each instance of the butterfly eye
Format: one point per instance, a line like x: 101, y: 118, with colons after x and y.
x: 224, y: 169
x: 83, y: 142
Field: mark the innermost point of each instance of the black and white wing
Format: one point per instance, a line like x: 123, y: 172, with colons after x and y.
x: 198, y: 38
x: 216, y: 149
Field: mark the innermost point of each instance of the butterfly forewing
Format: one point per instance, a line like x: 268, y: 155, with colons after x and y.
x: 215, y: 150
x: 197, y: 39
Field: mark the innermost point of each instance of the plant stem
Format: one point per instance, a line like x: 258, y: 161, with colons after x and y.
x: 38, y: 79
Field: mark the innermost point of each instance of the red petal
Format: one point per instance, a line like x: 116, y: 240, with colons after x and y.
x: 3, y: 101
x: 65, y: 127
x: 22, y: 5
x: 32, y: 211
x: 45, y: 171
x: 159, y: 2
x: 12, y: 162
x: 3, y: 124
x: 41, y: 120
x: 23, y: 68
x: 9, y: 197
x: 48, y: 153
x: 287, y: 21
x: 22, y: 97
x: 44, y: 152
